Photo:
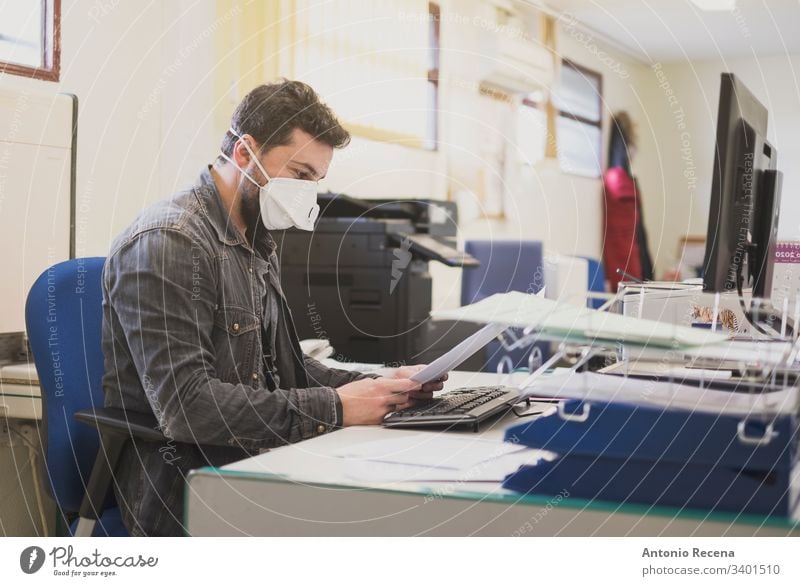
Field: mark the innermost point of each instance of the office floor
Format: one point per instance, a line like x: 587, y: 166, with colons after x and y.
x: 19, y: 510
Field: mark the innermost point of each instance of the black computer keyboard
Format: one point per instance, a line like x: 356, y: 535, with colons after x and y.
x: 467, y: 406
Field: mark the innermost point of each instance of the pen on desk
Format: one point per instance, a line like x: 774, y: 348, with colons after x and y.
x: 533, y: 399
x: 629, y: 276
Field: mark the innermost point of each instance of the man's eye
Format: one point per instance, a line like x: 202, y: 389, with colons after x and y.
x: 302, y: 175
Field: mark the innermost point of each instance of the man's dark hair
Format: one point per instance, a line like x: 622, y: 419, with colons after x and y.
x: 270, y: 113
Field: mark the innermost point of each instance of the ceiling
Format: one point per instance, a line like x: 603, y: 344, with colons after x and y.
x: 677, y: 30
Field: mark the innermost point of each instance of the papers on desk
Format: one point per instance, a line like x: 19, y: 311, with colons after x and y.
x: 316, y: 348
x: 665, y: 371
x: 612, y: 388
x: 751, y: 352
x: 436, y: 450
x: 357, y: 366
x: 436, y: 458
x: 489, y: 471
x: 568, y: 321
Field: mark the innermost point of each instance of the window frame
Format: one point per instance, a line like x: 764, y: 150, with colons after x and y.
x: 51, y: 47
x: 598, y: 77
x: 590, y: 73
x: 541, y: 106
x: 435, y: 46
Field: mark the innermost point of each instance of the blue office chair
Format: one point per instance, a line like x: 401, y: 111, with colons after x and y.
x: 63, y: 315
x: 597, y: 281
x: 506, y: 265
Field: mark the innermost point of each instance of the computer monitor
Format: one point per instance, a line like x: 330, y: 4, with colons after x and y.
x: 745, y: 197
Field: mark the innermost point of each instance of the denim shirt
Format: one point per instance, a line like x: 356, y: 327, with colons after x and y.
x: 187, y: 307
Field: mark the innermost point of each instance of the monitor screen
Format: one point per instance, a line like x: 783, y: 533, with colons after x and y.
x: 745, y: 196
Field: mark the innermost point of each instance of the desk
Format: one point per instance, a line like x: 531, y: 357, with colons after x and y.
x: 302, y: 490
x: 20, y: 395
x: 20, y: 453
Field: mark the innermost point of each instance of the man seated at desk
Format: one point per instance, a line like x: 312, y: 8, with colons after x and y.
x: 196, y: 327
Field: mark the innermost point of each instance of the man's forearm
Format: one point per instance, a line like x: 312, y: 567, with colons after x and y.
x: 216, y: 413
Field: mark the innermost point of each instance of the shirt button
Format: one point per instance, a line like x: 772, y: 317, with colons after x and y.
x: 235, y: 327
x: 321, y: 428
x: 255, y: 376
x: 250, y: 269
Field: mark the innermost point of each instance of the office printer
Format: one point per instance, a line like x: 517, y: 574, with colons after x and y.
x: 361, y: 280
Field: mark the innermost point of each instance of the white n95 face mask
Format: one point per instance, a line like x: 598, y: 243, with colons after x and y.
x: 284, y: 202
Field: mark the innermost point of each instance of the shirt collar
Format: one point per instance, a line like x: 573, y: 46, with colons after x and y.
x: 211, y: 202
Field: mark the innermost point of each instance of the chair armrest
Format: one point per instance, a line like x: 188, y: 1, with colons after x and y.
x: 121, y: 422
x: 116, y: 427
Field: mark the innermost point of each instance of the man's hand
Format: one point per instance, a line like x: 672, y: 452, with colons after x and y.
x: 367, y: 401
x: 427, y: 390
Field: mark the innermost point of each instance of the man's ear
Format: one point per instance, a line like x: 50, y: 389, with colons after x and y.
x: 240, y: 153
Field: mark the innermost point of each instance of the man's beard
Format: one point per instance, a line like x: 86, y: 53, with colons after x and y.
x: 251, y: 212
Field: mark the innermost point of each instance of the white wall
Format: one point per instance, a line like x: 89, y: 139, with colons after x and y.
x: 579, y: 198
x: 144, y: 75
x: 135, y: 67
x: 687, y: 181
x: 184, y: 94
x: 369, y: 169
x: 563, y: 210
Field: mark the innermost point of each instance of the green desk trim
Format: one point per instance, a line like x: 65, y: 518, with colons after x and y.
x: 517, y: 498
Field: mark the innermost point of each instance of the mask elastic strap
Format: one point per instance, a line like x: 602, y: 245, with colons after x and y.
x: 253, y: 181
x: 242, y: 171
x: 252, y: 154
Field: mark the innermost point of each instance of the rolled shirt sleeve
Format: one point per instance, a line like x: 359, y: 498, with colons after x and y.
x: 318, y: 373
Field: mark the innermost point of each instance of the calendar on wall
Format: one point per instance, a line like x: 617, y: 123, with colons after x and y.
x: 786, y: 276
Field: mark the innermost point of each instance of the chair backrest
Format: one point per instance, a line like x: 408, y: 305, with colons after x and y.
x: 506, y: 265
x: 63, y: 316
x: 597, y: 281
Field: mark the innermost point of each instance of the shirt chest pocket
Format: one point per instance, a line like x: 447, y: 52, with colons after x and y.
x: 236, y: 339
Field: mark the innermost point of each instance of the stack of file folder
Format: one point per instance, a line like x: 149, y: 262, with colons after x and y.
x: 685, y: 447
x: 567, y: 322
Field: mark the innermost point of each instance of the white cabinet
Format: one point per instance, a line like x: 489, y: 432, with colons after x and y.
x: 20, y: 396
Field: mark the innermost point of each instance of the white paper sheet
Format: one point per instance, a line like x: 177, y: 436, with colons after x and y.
x: 430, y: 450
x: 450, y: 360
x: 317, y: 349
x: 608, y: 387
x: 665, y: 371
x: 494, y: 470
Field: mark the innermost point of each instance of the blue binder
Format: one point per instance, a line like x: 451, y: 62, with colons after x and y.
x: 628, y: 453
